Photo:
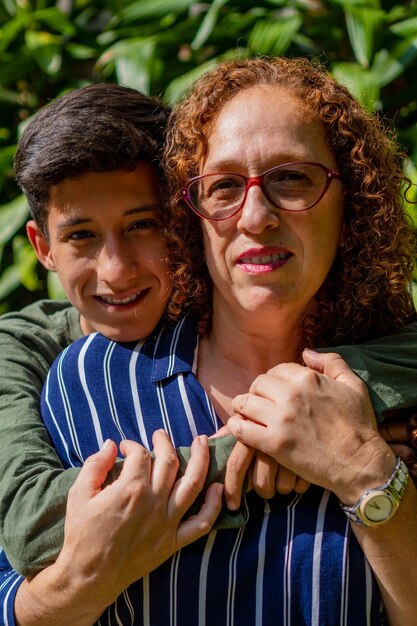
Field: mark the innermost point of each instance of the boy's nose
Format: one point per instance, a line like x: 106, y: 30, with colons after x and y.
x: 116, y: 264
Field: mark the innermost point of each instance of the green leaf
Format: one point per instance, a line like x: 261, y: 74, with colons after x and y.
x: 406, y: 28
x: 362, y: 24
x: 9, y: 281
x: 56, y: 20
x: 46, y: 50
x: 6, y: 159
x: 26, y: 262
x: 80, y: 52
x: 14, y: 67
x: 179, y: 86
x: 135, y: 62
x: 274, y: 37
x: 363, y: 84
x: 12, y: 216
x: 208, y: 24
x: 145, y: 9
x: 7, y: 95
x: 11, y: 30
x: 55, y: 290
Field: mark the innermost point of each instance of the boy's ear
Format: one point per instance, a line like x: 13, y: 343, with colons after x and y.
x: 40, y: 245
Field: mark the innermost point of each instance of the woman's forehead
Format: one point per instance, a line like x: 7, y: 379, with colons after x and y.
x: 266, y: 124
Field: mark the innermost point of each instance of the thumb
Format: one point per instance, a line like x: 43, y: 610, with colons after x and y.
x: 96, y: 467
x: 332, y: 365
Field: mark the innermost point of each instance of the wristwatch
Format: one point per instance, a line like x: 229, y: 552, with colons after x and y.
x: 378, y: 505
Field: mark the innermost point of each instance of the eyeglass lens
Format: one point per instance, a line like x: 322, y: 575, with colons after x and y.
x: 293, y: 187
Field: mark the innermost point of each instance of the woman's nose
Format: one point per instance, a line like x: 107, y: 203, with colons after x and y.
x: 257, y: 213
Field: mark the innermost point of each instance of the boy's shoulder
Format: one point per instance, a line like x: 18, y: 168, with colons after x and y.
x: 54, y: 319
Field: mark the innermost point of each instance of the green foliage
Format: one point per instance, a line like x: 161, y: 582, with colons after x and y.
x: 160, y: 47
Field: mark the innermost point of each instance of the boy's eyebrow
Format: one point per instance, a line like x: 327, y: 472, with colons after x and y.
x: 78, y: 221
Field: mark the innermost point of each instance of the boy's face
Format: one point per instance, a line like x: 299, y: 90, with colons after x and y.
x: 106, y: 242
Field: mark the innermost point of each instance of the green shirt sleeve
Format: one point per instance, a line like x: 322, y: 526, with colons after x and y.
x: 388, y: 366
x: 33, y: 485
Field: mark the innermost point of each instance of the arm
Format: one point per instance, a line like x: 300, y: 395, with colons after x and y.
x: 320, y: 424
x: 141, y: 511
x: 33, y: 485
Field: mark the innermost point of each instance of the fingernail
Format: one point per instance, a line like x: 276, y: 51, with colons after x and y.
x: 242, y: 400
x: 220, y: 489
x: 106, y: 444
x: 203, y: 440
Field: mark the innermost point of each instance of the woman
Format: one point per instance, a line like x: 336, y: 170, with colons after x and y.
x: 285, y: 187
x: 293, y: 264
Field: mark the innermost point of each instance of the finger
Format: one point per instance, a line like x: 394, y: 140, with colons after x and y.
x: 260, y: 409
x: 394, y: 431
x: 249, y: 432
x: 286, y: 480
x: 222, y: 432
x: 137, y: 465
x: 165, y: 465
x: 187, y: 488
x: 198, y: 525
x: 332, y: 365
x: 236, y: 468
x: 301, y: 485
x: 95, y: 469
x: 264, y: 475
x: 405, y: 452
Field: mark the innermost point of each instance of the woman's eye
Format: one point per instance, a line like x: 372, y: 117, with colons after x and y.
x: 224, y: 187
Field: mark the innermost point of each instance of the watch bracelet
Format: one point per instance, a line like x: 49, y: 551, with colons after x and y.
x: 394, y: 485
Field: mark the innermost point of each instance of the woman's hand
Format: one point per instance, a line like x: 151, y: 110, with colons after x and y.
x: 318, y: 422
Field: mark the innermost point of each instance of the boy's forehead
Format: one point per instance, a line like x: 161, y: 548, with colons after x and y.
x: 95, y: 195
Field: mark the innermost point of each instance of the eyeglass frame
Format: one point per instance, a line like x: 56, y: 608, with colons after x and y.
x: 251, y: 181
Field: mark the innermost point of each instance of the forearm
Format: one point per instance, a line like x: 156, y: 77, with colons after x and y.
x: 391, y: 549
x: 55, y: 597
x: 33, y: 484
x: 34, y: 489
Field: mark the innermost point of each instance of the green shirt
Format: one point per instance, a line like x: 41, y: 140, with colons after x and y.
x: 33, y: 484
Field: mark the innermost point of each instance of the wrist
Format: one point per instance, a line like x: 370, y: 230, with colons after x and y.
x: 371, y: 467
x: 379, y: 504
x: 57, y: 596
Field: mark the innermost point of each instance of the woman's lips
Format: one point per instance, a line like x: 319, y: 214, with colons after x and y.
x: 258, y: 261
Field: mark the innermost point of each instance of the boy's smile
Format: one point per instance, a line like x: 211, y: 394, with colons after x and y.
x: 106, y: 242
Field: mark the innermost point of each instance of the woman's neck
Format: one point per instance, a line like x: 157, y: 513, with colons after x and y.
x: 235, y: 352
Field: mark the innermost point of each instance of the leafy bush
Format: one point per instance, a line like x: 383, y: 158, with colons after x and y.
x: 160, y: 47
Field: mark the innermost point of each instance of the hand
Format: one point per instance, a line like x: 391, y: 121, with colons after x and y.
x: 117, y: 534
x: 401, y: 435
x: 262, y: 472
x: 318, y: 422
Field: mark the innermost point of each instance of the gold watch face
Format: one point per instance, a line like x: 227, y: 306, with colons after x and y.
x: 377, y: 506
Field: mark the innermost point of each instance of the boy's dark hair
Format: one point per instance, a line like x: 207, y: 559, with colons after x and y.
x: 98, y: 128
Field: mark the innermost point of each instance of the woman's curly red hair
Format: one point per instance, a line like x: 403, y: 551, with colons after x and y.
x: 367, y: 292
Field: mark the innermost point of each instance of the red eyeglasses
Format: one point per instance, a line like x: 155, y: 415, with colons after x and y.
x: 290, y: 187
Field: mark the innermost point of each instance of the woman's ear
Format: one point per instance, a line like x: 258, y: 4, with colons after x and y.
x: 40, y: 244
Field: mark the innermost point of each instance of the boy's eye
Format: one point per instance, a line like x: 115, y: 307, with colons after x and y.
x: 145, y: 224
x: 78, y: 235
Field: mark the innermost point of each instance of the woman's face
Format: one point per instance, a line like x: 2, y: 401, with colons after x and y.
x: 264, y: 260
